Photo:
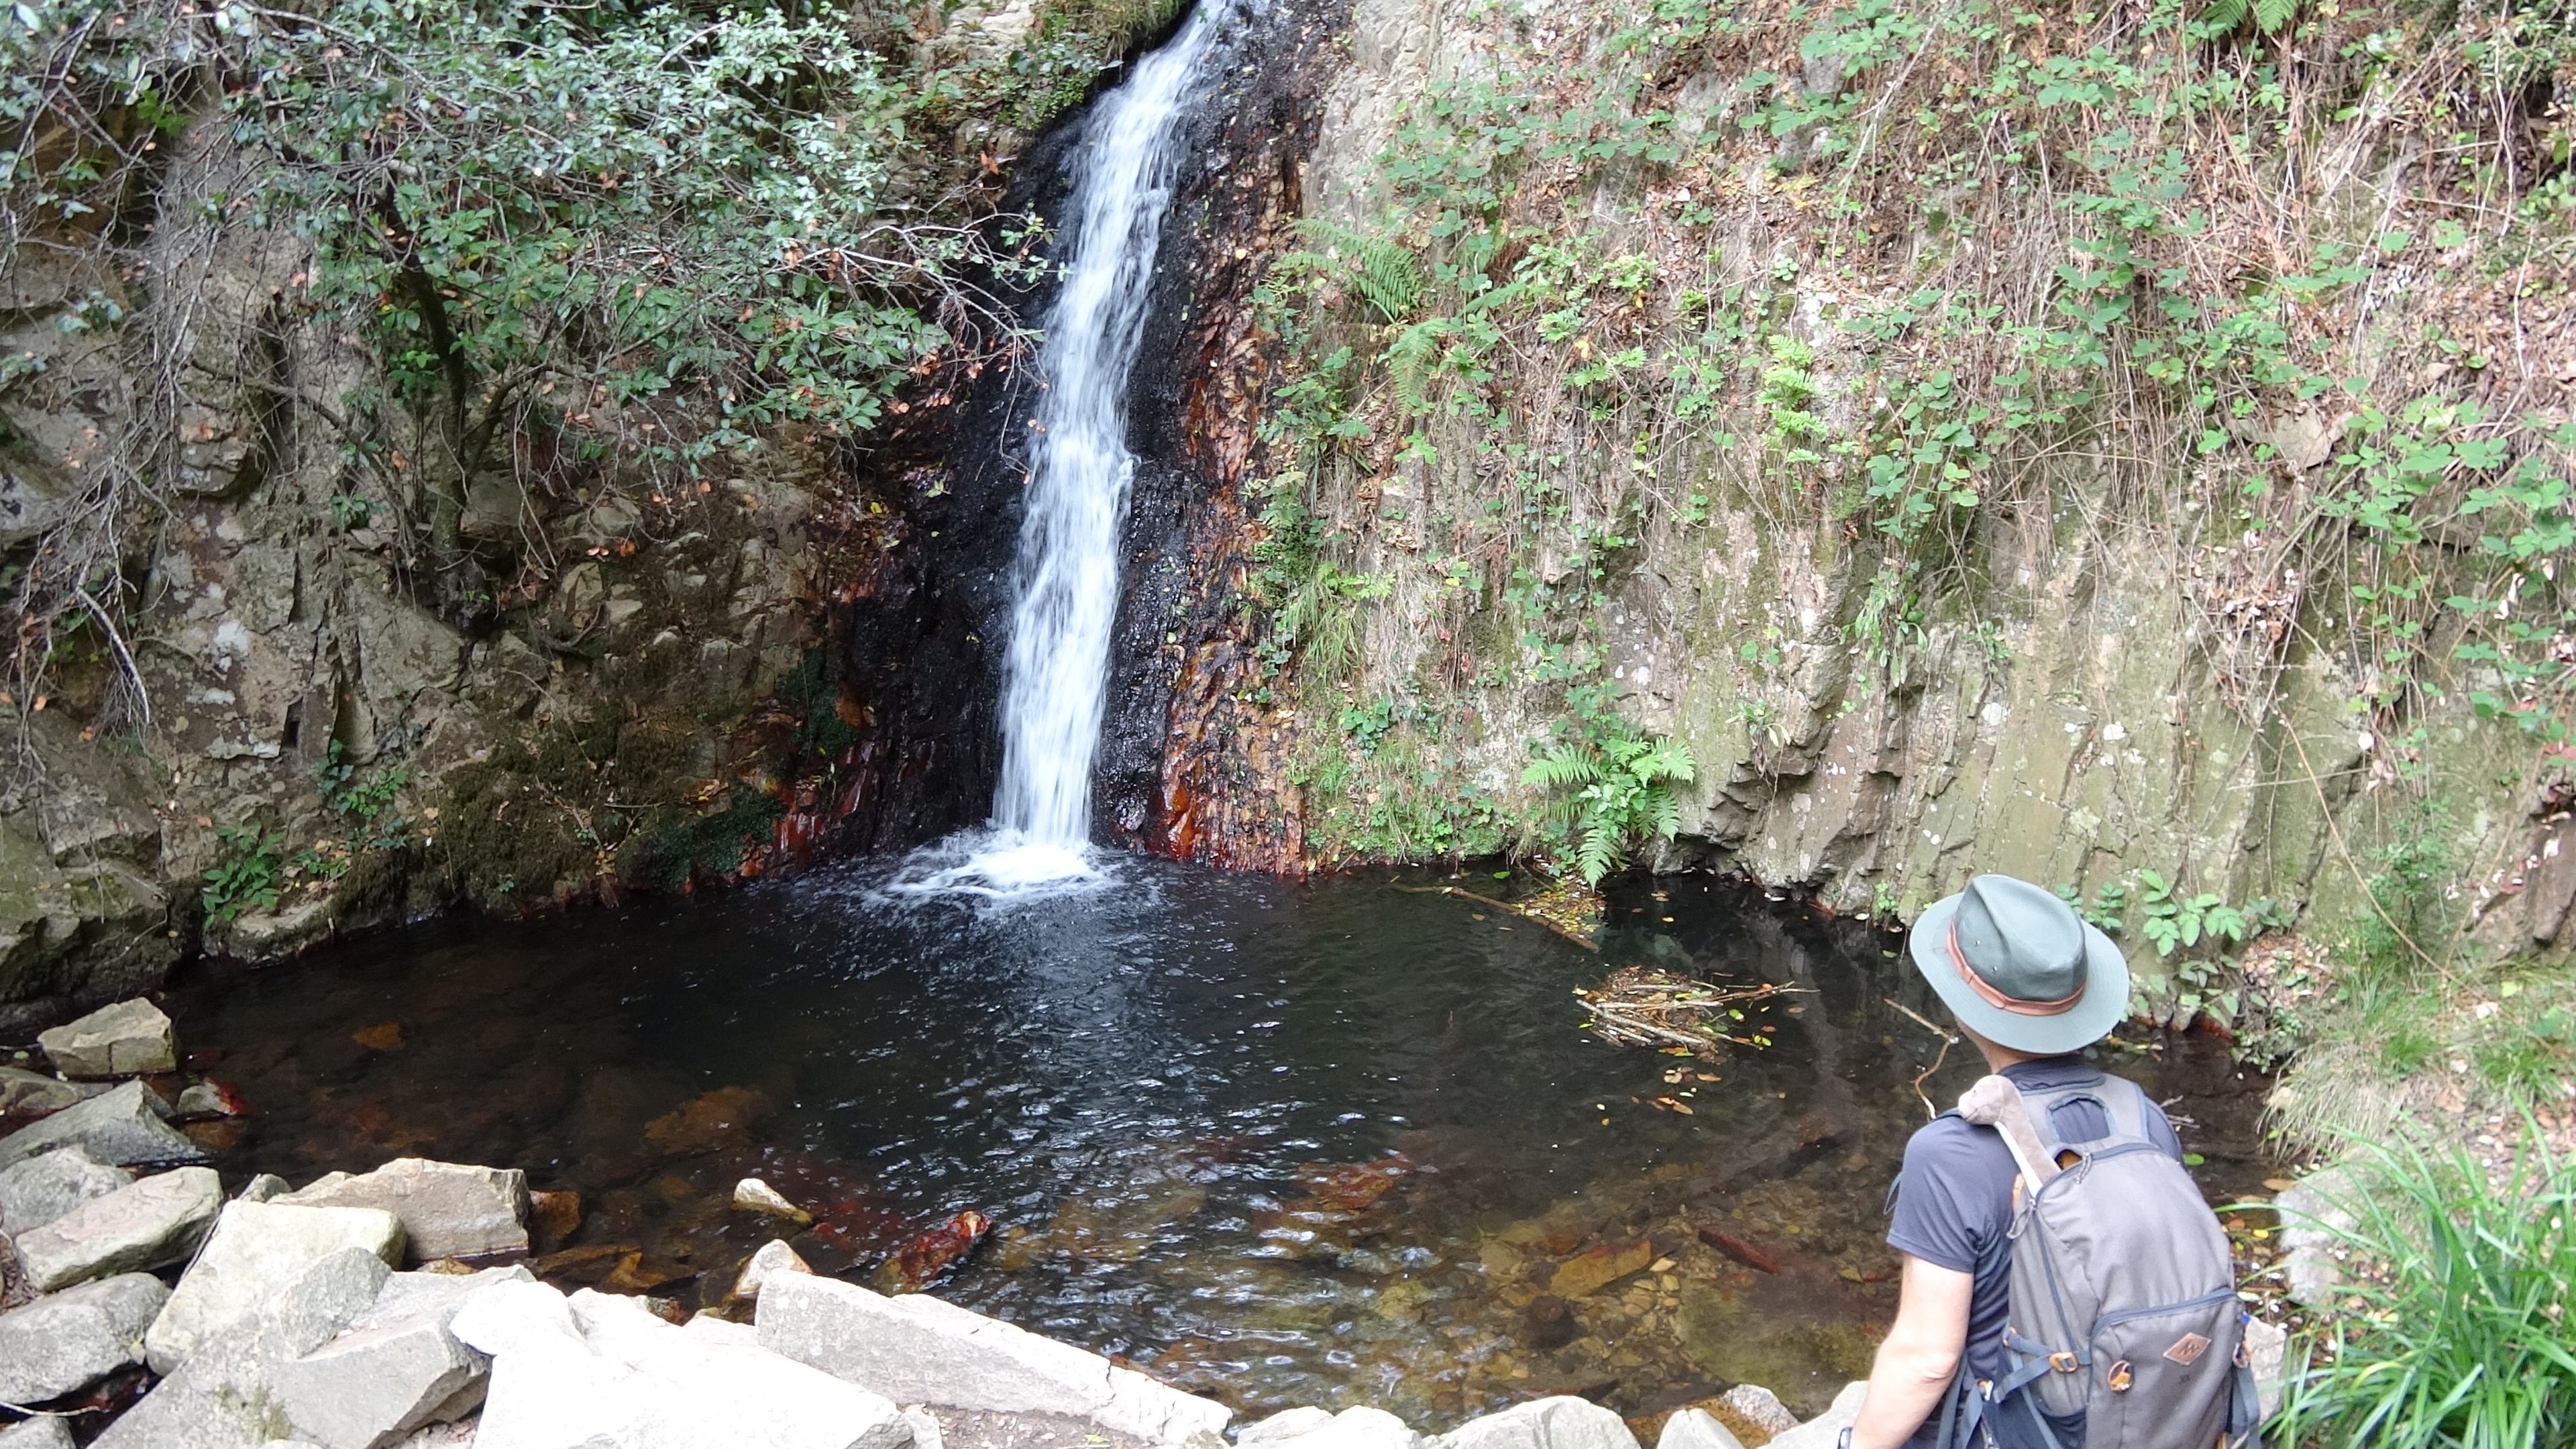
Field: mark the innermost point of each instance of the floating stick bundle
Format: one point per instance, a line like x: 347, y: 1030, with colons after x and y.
x: 1640, y: 1006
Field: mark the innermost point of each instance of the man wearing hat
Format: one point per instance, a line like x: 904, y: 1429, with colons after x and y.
x: 2033, y: 986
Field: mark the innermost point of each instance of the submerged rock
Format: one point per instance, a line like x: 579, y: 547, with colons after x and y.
x: 1591, y: 1272
x: 41, y: 1189
x: 257, y: 1249
x: 122, y: 1125
x: 447, y: 1209
x: 147, y: 1224
x: 65, y: 1341
x: 918, y: 1263
x: 917, y: 1349
x: 222, y: 1396
x: 127, y: 1039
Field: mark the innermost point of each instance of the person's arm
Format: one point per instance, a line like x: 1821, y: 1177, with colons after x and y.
x: 1919, y: 1356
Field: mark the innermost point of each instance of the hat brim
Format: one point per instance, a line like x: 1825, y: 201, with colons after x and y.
x: 2104, y: 1003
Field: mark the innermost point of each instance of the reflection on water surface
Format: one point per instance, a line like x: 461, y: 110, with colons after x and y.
x: 1322, y: 1142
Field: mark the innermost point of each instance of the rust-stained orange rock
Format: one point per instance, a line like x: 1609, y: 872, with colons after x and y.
x: 917, y: 1264
x: 383, y: 1038
x: 1591, y: 1272
x: 553, y: 1216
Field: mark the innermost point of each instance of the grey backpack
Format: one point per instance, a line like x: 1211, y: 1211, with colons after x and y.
x: 2124, y: 1330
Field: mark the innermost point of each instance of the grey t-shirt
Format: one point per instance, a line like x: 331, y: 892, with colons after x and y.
x: 1954, y: 1199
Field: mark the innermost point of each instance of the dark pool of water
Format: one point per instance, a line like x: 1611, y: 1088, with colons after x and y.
x: 1184, y: 1096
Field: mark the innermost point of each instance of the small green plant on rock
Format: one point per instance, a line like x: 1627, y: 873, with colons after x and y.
x: 245, y: 877
x: 1617, y: 793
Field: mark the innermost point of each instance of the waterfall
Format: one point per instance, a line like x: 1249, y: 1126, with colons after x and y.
x: 1056, y: 670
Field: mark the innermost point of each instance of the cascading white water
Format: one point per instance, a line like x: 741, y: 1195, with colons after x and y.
x: 1056, y: 671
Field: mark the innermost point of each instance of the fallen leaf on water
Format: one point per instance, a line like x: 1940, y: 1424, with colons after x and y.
x: 2279, y: 1184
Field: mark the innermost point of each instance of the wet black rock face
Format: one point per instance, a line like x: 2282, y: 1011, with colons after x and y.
x: 921, y: 645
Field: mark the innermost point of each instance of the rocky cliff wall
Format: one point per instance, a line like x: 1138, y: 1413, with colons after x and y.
x: 2136, y: 638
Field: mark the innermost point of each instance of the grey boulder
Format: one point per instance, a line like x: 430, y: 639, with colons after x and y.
x: 223, y: 1397
x: 2316, y: 1214
x: 1281, y: 1427
x: 1696, y: 1429
x: 396, y: 1369
x: 25, y: 1091
x: 37, y: 1433
x: 256, y: 1249
x: 1759, y: 1407
x: 123, y: 1040
x: 448, y: 1210
x: 65, y: 1341
x: 121, y: 1125
x: 1353, y: 1428
x: 369, y: 1389
x: 1823, y: 1431
x: 915, y: 1349
x: 1552, y: 1423
x: 602, y: 1372
x: 41, y: 1189
x: 147, y: 1224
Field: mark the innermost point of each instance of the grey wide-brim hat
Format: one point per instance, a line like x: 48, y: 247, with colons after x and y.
x: 2020, y: 968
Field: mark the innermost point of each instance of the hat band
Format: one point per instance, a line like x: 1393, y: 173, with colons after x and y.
x: 1997, y: 999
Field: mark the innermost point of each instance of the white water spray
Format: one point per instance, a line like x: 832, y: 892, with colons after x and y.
x: 1056, y: 671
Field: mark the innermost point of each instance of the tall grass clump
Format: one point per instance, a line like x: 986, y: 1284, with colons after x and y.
x: 2460, y: 1336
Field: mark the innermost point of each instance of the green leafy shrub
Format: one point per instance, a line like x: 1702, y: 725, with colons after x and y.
x: 2463, y: 1285
x: 1615, y: 794
x: 245, y: 876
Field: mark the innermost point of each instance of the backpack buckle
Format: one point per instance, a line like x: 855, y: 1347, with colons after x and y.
x: 2062, y: 1361
x: 2120, y: 1377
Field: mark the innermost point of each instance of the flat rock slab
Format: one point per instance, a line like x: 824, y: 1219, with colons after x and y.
x: 448, y: 1210
x: 915, y: 1349
x: 147, y: 1224
x: 43, y: 1188
x: 256, y: 1249
x: 68, y: 1340
x: 127, y: 1039
x: 222, y: 1397
x: 1552, y: 1423
x: 603, y: 1372
x: 982, y: 1429
x: 121, y: 1125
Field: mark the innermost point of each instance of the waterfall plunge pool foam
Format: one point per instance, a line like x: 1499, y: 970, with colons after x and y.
x: 1328, y: 1142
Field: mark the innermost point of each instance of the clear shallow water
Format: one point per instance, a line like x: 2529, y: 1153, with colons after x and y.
x: 1279, y: 1142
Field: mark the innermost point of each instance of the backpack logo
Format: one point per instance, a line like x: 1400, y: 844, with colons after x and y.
x: 2188, y: 1348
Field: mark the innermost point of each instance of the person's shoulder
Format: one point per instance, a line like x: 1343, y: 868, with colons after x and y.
x: 1950, y: 1138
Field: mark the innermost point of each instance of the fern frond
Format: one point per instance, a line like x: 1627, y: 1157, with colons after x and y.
x: 1561, y: 768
